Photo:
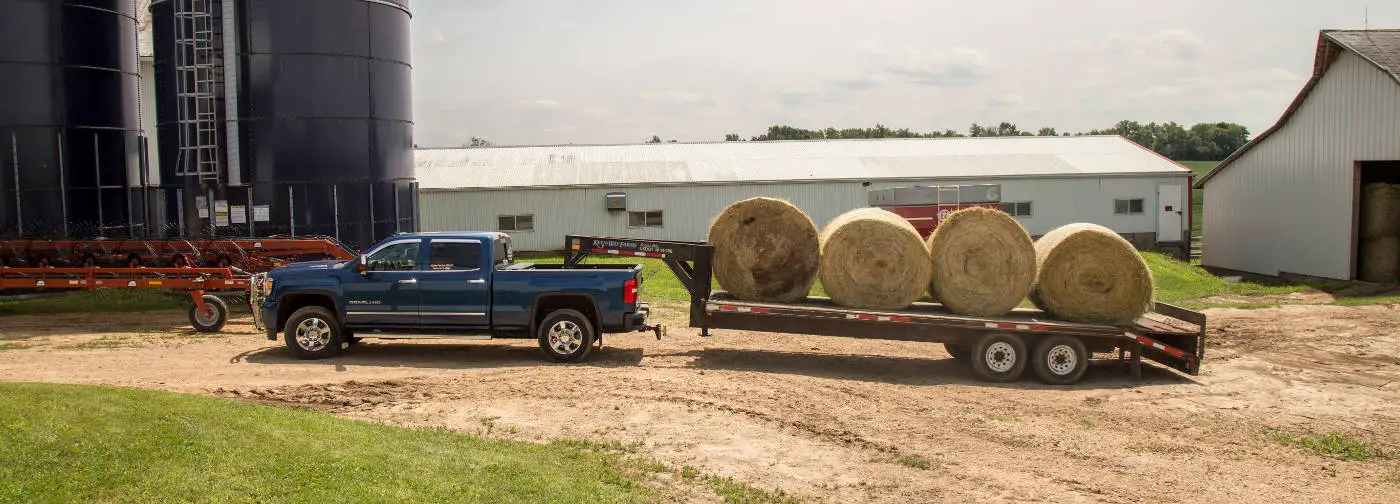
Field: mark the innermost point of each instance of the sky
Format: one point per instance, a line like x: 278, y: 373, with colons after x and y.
x: 529, y: 72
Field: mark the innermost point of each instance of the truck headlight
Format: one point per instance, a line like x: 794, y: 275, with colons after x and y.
x: 266, y: 285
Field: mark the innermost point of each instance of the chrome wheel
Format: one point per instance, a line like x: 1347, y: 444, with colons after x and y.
x: 565, y: 337
x: 1001, y: 357
x: 1061, y: 360
x: 313, y: 334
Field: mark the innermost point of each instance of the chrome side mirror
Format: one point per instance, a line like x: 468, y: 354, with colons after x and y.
x: 363, y: 267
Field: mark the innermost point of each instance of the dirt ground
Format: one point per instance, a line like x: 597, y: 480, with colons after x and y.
x: 829, y: 419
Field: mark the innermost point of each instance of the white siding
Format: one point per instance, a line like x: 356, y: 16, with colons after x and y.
x: 1286, y: 205
x: 687, y: 211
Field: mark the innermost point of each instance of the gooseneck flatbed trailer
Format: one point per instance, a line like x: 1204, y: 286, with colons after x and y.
x: 998, y: 348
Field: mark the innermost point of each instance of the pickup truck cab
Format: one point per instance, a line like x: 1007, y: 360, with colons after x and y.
x: 455, y: 284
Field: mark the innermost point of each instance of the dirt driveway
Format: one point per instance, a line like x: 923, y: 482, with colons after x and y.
x: 830, y: 419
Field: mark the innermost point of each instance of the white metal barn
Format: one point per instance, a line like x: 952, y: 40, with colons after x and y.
x: 1289, y: 201
x: 673, y: 190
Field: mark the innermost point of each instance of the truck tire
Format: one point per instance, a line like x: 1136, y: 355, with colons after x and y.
x: 566, y: 336
x: 999, y: 357
x: 212, y: 318
x: 960, y: 353
x: 313, y: 332
x: 1060, y: 360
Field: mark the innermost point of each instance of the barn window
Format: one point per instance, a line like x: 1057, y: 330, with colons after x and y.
x: 1017, y: 209
x: 1127, y: 206
x: 649, y: 218
x: 515, y: 222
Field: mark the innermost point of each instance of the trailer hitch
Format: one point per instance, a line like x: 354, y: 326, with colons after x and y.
x: 658, y: 329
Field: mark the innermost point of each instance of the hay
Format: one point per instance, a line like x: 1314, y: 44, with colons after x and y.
x: 1380, y: 210
x: 873, y: 259
x: 1087, y: 273
x: 765, y: 250
x: 983, y: 262
x: 1380, y: 260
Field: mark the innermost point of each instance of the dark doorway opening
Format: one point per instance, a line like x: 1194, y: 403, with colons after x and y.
x: 1376, y: 247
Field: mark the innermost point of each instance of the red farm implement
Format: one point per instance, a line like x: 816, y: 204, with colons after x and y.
x: 208, y: 312
x: 248, y: 254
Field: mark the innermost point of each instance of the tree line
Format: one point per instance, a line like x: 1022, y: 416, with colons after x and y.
x: 1201, y: 142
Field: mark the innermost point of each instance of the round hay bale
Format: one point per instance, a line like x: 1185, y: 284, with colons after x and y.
x: 983, y: 262
x: 1380, y: 260
x: 1380, y: 210
x: 1087, y: 273
x: 873, y: 259
x: 766, y: 249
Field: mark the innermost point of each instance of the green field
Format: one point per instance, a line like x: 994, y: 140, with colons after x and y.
x: 96, y: 300
x: 66, y: 443
x: 1198, y: 196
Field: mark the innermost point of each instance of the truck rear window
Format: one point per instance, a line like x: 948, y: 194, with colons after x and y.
x: 449, y: 256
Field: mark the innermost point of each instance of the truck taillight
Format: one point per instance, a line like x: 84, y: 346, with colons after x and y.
x: 629, y: 291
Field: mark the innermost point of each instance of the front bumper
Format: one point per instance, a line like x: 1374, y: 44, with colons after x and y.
x: 266, y: 319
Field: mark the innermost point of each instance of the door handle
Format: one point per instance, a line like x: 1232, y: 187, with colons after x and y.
x: 477, y: 281
x: 408, y: 281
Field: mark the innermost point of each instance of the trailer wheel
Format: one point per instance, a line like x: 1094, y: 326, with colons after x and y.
x: 212, y: 317
x: 999, y: 357
x: 566, y: 336
x: 1060, y: 360
x: 313, y: 332
x: 960, y: 353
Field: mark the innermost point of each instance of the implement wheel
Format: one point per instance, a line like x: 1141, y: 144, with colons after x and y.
x: 212, y: 318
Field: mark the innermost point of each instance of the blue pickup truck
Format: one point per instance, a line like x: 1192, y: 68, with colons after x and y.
x: 455, y: 284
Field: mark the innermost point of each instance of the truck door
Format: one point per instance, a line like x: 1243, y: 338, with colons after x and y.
x: 1169, y: 213
x: 387, y: 293
x: 455, y: 286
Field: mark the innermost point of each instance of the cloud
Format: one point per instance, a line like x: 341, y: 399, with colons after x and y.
x: 956, y: 67
x: 1172, y: 44
x: 673, y: 97
x: 1182, y: 44
x: 1005, y: 100
x: 538, y: 104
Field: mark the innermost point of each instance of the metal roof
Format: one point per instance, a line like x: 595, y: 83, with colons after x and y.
x: 1379, y: 47
x: 785, y: 161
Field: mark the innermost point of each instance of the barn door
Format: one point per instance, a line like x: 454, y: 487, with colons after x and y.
x: 1169, y: 213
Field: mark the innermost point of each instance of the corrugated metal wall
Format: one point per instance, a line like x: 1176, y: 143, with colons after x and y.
x: 1286, y: 205
x: 687, y: 210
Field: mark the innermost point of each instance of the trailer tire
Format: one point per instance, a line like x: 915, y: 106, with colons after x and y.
x: 566, y: 336
x: 212, y: 318
x: 960, y: 353
x: 312, y: 332
x: 1060, y: 360
x: 999, y: 357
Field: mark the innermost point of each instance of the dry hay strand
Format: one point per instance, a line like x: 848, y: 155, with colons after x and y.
x: 1087, y: 273
x: 1380, y: 210
x: 873, y: 259
x: 1380, y: 260
x: 766, y: 249
x: 983, y: 262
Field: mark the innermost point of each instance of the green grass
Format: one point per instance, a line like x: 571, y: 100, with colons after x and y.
x: 1331, y: 444
x: 1178, y: 281
x: 12, y: 346
x: 914, y: 461
x: 126, y: 300
x: 1198, y: 196
x: 90, y: 444
x: 734, y: 492
x: 1367, y: 300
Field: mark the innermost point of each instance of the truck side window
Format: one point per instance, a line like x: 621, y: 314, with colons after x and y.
x: 503, y: 254
x: 454, y: 256
x: 398, y: 257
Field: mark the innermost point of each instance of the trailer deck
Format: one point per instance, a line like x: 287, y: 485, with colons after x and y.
x: 1170, y: 335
